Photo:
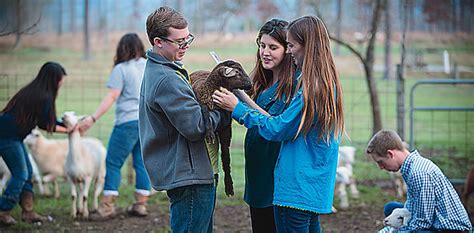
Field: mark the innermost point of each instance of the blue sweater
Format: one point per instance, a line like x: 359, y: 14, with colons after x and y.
x: 305, y: 172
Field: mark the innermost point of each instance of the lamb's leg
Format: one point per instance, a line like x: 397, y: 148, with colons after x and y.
x: 80, y: 200
x: 56, y: 189
x: 5, y: 178
x: 225, y: 136
x: 47, y: 179
x: 354, y: 190
x: 210, y: 135
x: 344, y: 204
x: 74, y: 198
x: 85, y: 195
x: 99, y: 185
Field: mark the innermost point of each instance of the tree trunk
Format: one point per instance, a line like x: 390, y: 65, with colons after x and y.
x: 388, y: 42
x: 18, y: 25
x: 368, y: 66
x: 338, y: 24
x: 72, y: 15
x: 60, y: 18
x: 87, y: 52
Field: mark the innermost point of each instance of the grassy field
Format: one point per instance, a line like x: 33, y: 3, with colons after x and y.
x: 446, y: 137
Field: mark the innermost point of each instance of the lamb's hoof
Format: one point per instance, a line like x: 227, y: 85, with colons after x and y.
x: 210, y: 137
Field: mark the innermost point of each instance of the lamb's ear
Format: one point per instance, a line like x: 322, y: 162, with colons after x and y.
x: 229, y: 72
x: 406, y: 218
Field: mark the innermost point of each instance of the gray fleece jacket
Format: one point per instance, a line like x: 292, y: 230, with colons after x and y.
x: 172, y: 127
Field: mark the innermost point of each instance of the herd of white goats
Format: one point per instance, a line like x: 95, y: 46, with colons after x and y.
x: 82, y: 161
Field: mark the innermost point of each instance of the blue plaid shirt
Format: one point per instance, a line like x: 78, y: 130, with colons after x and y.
x: 431, y: 198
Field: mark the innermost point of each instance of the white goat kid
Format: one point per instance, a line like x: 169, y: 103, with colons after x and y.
x: 399, y: 218
x: 85, y: 162
x: 344, y: 176
x: 50, y: 156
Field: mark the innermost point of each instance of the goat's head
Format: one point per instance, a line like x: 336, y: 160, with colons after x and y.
x: 232, y: 75
x: 70, y: 119
x: 31, y: 138
x: 398, y: 219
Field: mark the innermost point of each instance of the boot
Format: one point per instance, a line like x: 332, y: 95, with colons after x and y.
x: 6, y: 219
x: 27, y: 213
x: 139, y: 207
x: 106, y: 209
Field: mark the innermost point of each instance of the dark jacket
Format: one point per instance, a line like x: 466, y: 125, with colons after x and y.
x: 172, y: 127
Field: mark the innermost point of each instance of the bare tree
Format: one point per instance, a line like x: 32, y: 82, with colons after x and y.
x: 368, y: 62
x: 21, y: 25
x: 300, y: 7
x: 266, y: 9
x: 388, y: 41
x: 72, y: 15
x: 338, y: 23
x: 60, y: 18
x: 87, y: 50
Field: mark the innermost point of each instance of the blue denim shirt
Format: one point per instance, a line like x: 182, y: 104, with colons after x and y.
x: 305, y: 172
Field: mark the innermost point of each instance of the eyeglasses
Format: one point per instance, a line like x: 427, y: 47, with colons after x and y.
x: 183, y: 43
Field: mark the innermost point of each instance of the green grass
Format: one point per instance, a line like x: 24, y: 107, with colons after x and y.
x: 444, y: 137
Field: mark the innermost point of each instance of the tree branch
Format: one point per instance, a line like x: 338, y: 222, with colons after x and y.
x: 24, y: 31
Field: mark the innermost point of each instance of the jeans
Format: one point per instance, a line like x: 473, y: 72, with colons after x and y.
x: 289, y: 220
x: 15, y: 156
x: 191, y: 208
x: 124, y: 139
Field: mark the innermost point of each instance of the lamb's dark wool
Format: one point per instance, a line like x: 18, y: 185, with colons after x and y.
x: 230, y: 75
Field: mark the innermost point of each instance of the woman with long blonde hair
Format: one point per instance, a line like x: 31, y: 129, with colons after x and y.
x: 309, y: 129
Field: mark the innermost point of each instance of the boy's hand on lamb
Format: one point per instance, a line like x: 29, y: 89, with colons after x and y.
x: 225, y: 99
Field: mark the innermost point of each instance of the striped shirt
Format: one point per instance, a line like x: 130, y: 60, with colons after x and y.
x: 431, y: 198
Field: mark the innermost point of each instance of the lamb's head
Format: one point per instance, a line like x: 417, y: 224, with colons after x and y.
x: 231, y: 75
x: 398, y: 219
x: 31, y: 138
x: 70, y: 119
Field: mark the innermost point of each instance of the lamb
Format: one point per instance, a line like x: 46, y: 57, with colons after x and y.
x: 344, y: 176
x: 230, y: 75
x: 50, y: 156
x: 398, y: 183
x: 6, y: 175
x: 399, y: 218
x: 85, y: 162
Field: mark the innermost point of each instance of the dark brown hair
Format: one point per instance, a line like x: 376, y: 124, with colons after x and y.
x: 30, y: 103
x: 262, y: 78
x: 129, y: 47
x: 160, y: 20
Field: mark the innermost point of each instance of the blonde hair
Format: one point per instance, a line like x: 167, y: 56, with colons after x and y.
x: 322, y: 91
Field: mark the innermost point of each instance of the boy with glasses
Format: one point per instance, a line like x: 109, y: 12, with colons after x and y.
x: 172, y: 127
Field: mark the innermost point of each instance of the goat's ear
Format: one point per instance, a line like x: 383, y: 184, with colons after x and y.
x: 229, y: 72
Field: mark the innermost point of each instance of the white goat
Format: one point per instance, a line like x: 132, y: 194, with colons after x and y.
x: 399, y: 218
x: 50, y: 156
x: 344, y: 176
x: 85, y: 162
x: 6, y: 175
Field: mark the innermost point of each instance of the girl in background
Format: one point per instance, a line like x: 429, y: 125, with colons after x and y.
x: 34, y: 105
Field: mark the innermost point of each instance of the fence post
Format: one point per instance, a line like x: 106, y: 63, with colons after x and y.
x: 400, y: 102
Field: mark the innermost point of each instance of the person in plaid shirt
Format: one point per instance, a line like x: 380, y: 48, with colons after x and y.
x: 431, y: 198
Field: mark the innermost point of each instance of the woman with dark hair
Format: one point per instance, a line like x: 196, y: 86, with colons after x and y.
x: 124, y: 86
x: 272, y: 90
x: 34, y: 105
x: 309, y: 129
